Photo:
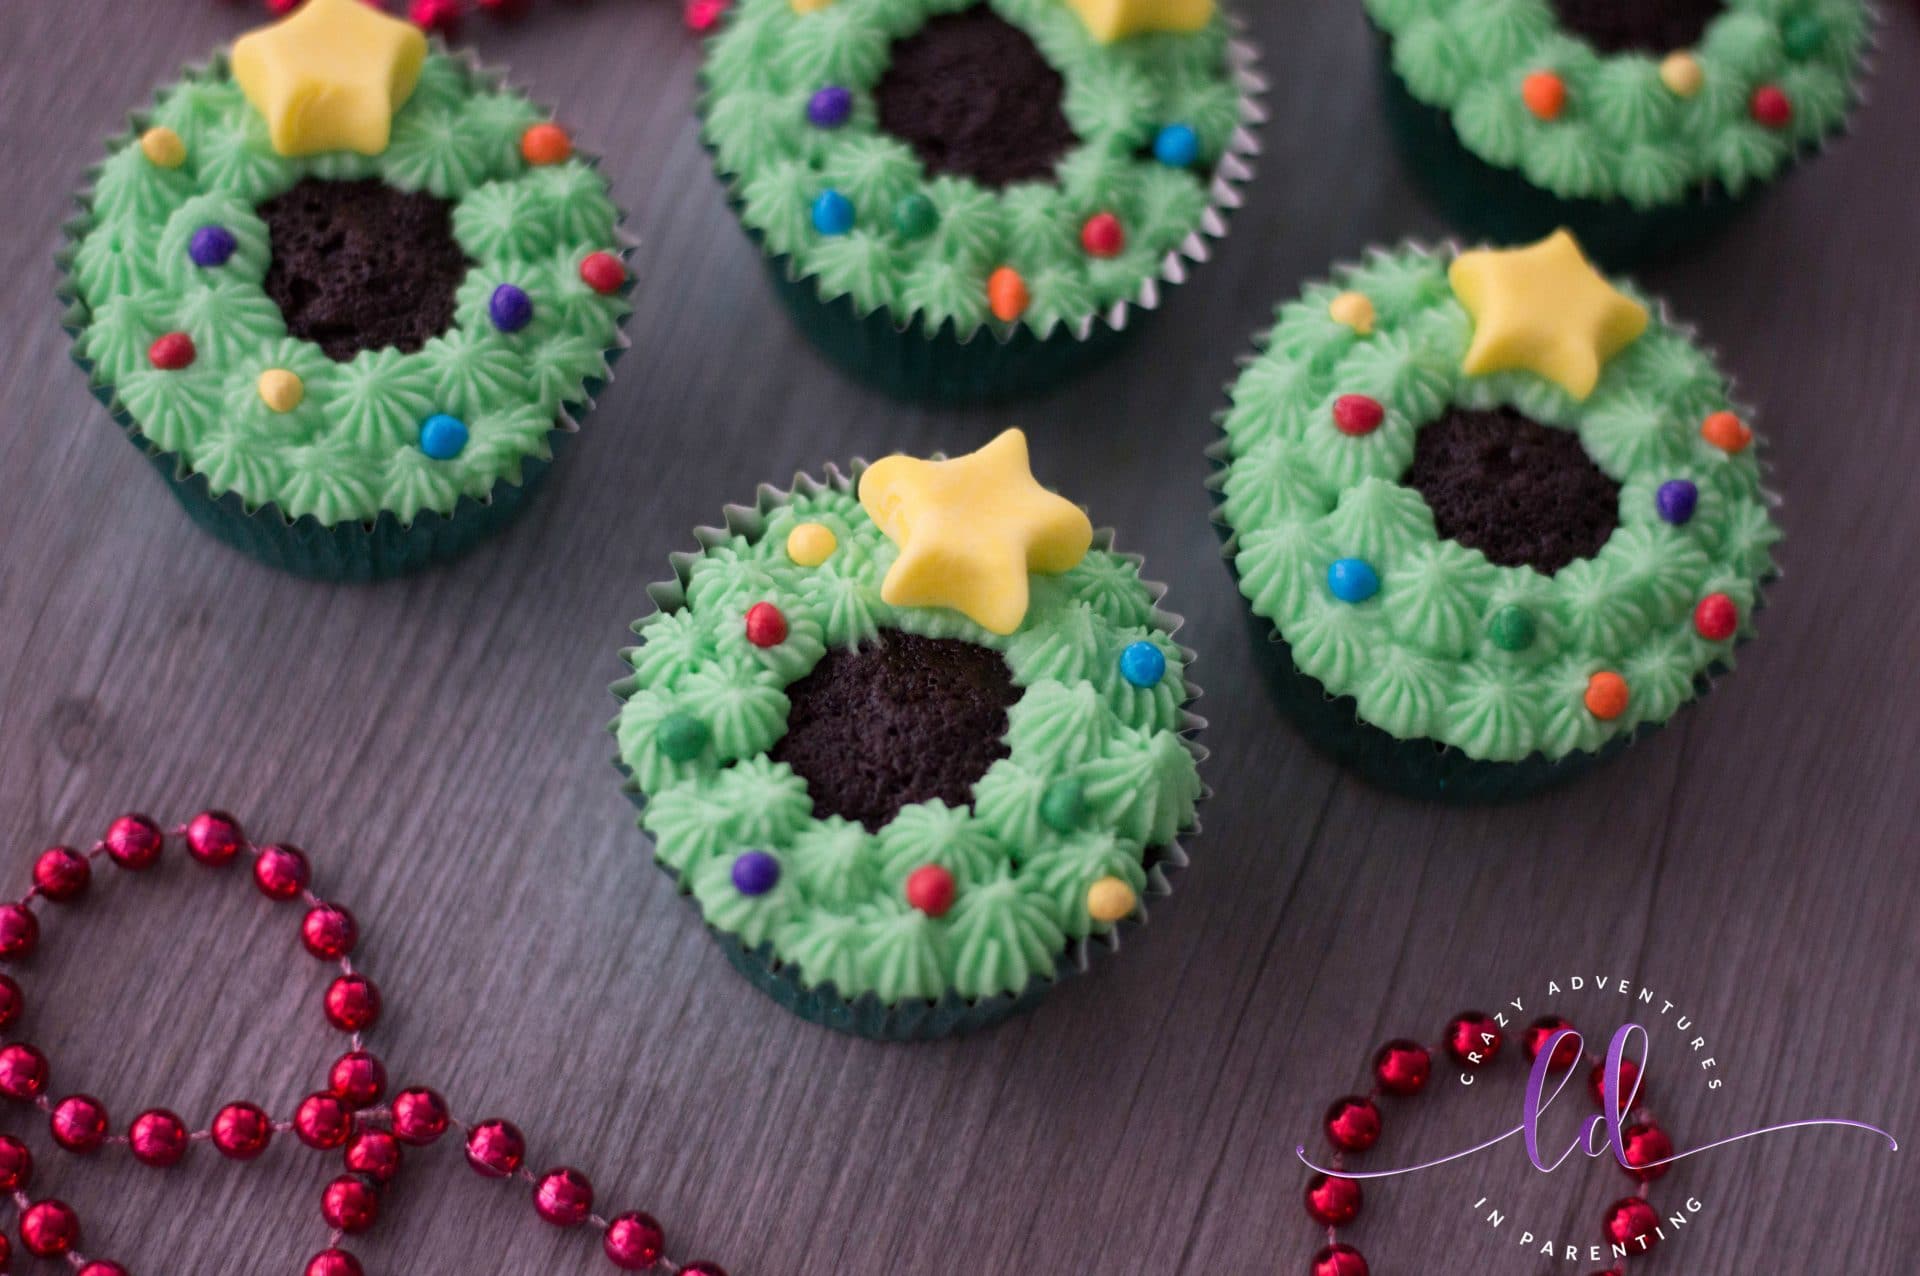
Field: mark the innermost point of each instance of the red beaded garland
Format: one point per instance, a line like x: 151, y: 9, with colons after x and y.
x: 1630, y: 1221
x: 23, y: 1072
x: 1353, y: 1123
x: 496, y: 1149
x: 158, y: 1138
x: 352, y: 1003
x: 930, y: 889
x: 1103, y: 236
x: 1332, y: 1201
x: 1646, y: 1143
x: 12, y: 1002
x: 1538, y: 1033
x: 79, y: 1123
x: 563, y: 1197
x: 419, y: 1116
x: 1629, y: 1077
x: 1339, y: 1260
x: 103, y: 1267
x: 766, y: 627
x: 171, y: 352
x: 133, y: 841
x: 323, y: 1121
x: 49, y: 1228
x: 358, y: 1077
x: 16, y: 1164
x: 634, y: 1241
x: 61, y: 874
x: 19, y: 931
x: 1716, y: 617
x: 703, y: 1269
x: 374, y: 1154
x: 1473, y: 1038
x: 214, y: 837
x: 1357, y: 414
x: 329, y: 931
x: 603, y: 272
x: 281, y: 872
x: 350, y: 1204
x: 334, y: 1262
x: 1402, y: 1067
x: 1771, y: 106
x: 241, y: 1131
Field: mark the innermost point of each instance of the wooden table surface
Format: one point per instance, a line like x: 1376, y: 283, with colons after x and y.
x: 439, y: 746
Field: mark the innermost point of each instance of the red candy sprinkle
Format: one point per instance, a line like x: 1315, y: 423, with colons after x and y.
x: 1716, y: 618
x: 1357, y: 414
x: 172, y: 352
x: 766, y: 627
x: 281, y: 872
x: 133, y: 842
x: 1103, y: 236
x: 1771, y: 107
x: 352, y: 1003
x: 930, y: 889
x: 603, y: 272
x: 61, y: 873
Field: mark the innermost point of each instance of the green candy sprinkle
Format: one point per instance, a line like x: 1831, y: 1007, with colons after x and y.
x: 1062, y: 805
x: 915, y: 216
x: 1512, y: 628
x: 681, y: 736
x: 1804, y: 35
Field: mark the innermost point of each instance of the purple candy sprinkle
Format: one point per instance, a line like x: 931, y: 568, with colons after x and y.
x: 510, y: 308
x: 755, y: 873
x: 1675, y: 500
x: 212, y: 246
x: 830, y: 107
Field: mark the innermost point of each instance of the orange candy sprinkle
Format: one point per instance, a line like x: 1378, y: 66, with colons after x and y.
x: 1007, y: 294
x: 1545, y: 94
x: 1727, y: 432
x: 1607, y: 695
x: 546, y: 144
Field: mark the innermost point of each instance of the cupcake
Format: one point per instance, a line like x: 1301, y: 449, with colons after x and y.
x: 1495, y: 515
x: 345, y: 290
x: 915, y: 740
x: 970, y: 203
x: 1643, y: 127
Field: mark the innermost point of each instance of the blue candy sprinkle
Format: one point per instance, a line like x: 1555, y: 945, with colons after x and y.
x: 755, y: 873
x: 1143, y: 664
x: 1675, y: 500
x: 1177, y: 146
x: 1353, y: 580
x: 443, y: 437
x: 832, y: 213
x: 510, y: 308
x: 211, y: 246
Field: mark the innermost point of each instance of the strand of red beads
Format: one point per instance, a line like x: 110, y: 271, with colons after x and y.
x: 444, y: 17
x: 353, y: 1115
x: 1473, y: 1040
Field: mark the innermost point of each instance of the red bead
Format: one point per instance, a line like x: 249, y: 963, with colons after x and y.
x: 1630, y: 1222
x: 334, y: 1262
x: 62, y: 873
x: 703, y: 1269
x: 6, y: 1253
x: 374, y: 1154
x: 496, y: 1149
x: 49, y: 1229
x: 563, y: 1197
x: 12, y: 1002
x: 419, y: 1116
x: 703, y: 15
x: 1716, y: 617
x: 501, y: 8
x: 158, y: 1138
x: 634, y: 1242
x: 442, y: 17
x: 103, y: 1267
x: 359, y: 1078
x: 1565, y: 1055
x: 281, y: 872
x: 16, y: 1164
x: 242, y: 1131
x: 1339, y: 1260
x: 930, y: 889
x: 353, y: 1003
x: 1473, y: 1038
x: 23, y: 1072
x: 1357, y: 414
x: 79, y: 1123
x: 1629, y: 1076
x: 323, y: 1121
x: 171, y: 352
x: 603, y: 272
x: 1402, y: 1067
x: 329, y: 932
x: 134, y: 842
x: 1353, y: 1123
x: 766, y: 627
x: 1103, y: 236
x: 1646, y: 1143
x: 350, y: 1204
x: 1771, y: 106
x: 214, y: 837
x: 1331, y: 1201
x: 19, y: 931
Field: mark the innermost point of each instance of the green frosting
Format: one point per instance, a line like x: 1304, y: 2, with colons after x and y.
x: 350, y: 450
x: 1624, y: 134
x: 769, y: 61
x: 703, y: 707
x: 1442, y: 652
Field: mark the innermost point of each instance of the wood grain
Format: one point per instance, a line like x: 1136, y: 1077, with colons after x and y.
x: 439, y: 746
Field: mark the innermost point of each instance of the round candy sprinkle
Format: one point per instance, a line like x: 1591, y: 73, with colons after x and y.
x: 163, y: 148
x: 755, y: 873
x: 830, y: 107
x: 811, y: 544
x: 443, y: 437
x: 915, y: 216
x: 1062, y: 805
x: 1607, y: 695
x: 1357, y: 414
x: 804, y: 7
x: 832, y: 213
x: 211, y: 246
x: 1545, y: 94
x: 171, y: 352
x: 1353, y: 580
x: 1355, y: 310
x: 602, y: 272
x: 281, y: 390
x: 1803, y: 34
x: 1727, y: 432
x: 1143, y: 664
x: 681, y: 736
x: 1109, y: 900
x: 1512, y: 628
x: 1716, y: 617
x: 546, y: 144
x: 766, y: 626
x: 1675, y: 501
x: 510, y: 308
x: 1682, y: 75
x: 1103, y: 236
x: 1771, y: 107
x: 1177, y: 146
x: 1007, y: 294
x: 930, y: 889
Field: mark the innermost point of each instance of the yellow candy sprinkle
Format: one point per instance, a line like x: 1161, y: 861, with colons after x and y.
x: 809, y: 6
x: 281, y: 390
x: 1110, y: 899
x: 163, y: 148
x: 811, y: 544
x: 1354, y: 309
x: 1682, y: 75
x: 1110, y: 20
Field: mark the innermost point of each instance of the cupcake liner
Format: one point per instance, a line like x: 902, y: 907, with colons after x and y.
x: 950, y: 1015
x: 914, y: 360
x: 354, y: 551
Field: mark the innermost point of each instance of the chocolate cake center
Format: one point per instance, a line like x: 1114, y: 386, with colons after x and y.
x: 1520, y: 492
x: 973, y: 96
x: 1639, y: 26
x: 361, y: 266
x: 903, y: 719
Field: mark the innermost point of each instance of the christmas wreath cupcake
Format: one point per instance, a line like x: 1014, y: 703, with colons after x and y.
x: 966, y: 203
x: 1494, y: 514
x: 916, y: 741
x: 1641, y: 126
x: 345, y: 290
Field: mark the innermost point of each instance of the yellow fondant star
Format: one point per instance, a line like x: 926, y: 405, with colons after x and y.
x: 1111, y: 20
x: 1544, y: 308
x: 330, y: 76
x: 970, y: 529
